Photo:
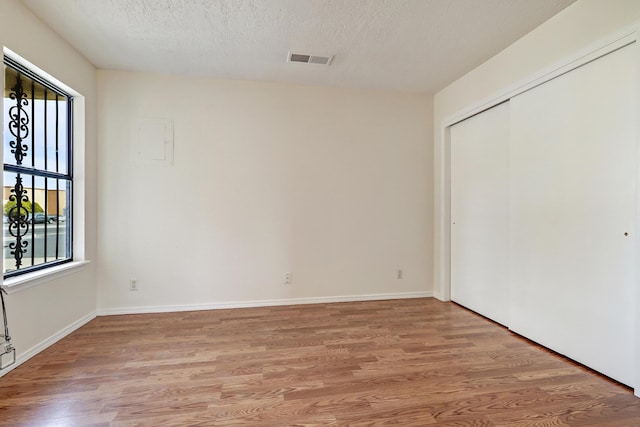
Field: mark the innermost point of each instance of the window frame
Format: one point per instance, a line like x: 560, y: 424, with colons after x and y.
x: 20, y: 275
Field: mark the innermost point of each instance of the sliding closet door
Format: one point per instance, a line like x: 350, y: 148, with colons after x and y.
x: 573, y: 227
x: 479, y: 212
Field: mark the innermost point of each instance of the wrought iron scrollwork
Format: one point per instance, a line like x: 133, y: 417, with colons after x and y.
x: 18, y: 121
x: 18, y: 217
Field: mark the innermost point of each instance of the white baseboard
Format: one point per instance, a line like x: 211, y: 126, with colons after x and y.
x: 24, y: 356
x: 258, y: 303
x: 438, y: 296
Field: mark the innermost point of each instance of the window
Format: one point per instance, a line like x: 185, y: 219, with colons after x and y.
x: 38, y: 180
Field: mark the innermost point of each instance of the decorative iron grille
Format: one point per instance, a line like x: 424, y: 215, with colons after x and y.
x: 37, y: 151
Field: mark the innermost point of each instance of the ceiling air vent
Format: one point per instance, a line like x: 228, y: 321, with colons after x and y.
x: 309, y: 59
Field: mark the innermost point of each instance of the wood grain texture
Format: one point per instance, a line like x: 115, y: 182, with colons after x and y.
x: 415, y: 362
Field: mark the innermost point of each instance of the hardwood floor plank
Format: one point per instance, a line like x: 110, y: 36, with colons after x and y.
x: 415, y: 362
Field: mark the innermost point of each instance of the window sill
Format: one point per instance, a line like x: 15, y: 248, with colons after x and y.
x: 26, y: 281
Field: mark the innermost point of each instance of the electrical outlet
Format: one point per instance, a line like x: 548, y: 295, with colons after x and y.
x: 399, y: 273
x: 287, y: 278
x: 133, y: 285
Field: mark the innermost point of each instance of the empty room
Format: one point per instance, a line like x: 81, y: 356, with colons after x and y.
x: 320, y: 213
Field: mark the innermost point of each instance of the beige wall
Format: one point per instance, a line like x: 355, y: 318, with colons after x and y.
x: 332, y: 185
x: 569, y: 34
x: 42, y: 312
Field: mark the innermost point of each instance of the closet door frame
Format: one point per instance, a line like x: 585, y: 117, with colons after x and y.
x: 442, y: 285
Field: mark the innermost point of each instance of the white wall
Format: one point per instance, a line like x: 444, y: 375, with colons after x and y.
x: 332, y: 185
x: 572, y: 31
x: 40, y: 313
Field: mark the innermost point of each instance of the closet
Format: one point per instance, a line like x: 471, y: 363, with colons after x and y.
x: 543, y: 211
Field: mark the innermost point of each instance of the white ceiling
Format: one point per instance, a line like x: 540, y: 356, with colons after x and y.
x: 408, y: 45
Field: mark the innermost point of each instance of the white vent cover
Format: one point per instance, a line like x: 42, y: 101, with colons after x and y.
x: 309, y: 59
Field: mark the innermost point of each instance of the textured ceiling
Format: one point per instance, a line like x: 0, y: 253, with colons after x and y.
x: 408, y: 45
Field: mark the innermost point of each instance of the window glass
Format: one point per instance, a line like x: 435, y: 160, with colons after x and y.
x: 37, y: 178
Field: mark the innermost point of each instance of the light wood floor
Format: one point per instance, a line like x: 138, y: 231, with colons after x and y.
x: 416, y: 362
